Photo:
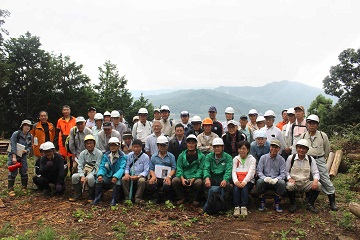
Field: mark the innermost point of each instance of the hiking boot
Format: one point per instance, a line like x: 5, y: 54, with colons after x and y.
x: 292, y: 208
x: 195, y: 203
x: 278, y: 208
x: 261, y: 207
x: 312, y: 208
x: 236, y: 212
x: 244, y: 211
x: 181, y: 201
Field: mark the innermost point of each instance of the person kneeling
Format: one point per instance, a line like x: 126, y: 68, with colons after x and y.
x: 51, y: 170
x: 110, y: 172
x: 299, y: 169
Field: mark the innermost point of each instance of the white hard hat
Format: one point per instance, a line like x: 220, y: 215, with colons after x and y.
x: 313, y: 117
x: 196, y: 119
x: 290, y: 111
x: 191, y: 136
x: 143, y: 111
x: 41, y: 146
x: 115, y: 114
x: 260, y: 134
x: 269, y: 113
x: 229, y: 110
x: 252, y: 111
x: 107, y: 113
x: 162, y: 140
x: 260, y: 119
x: 217, y: 141
x: 98, y: 116
x: 303, y: 142
x: 80, y: 119
x: 114, y: 140
x: 48, y: 146
x: 164, y: 108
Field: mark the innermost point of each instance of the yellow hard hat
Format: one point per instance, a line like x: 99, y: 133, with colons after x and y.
x: 89, y: 137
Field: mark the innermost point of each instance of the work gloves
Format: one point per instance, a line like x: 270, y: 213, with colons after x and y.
x: 270, y: 180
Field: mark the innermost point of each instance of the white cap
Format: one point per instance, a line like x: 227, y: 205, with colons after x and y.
x: 156, y: 109
x: 303, y: 142
x: 98, y: 116
x: 269, y: 113
x: 114, y: 140
x: 28, y: 122
x: 80, y: 119
x: 252, y: 111
x: 162, y: 140
x: 196, y: 119
x: 312, y: 117
x: 115, y: 114
x: 260, y: 134
x: 143, y: 111
x: 48, y: 146
x: 135, y: 118
x: 260, y: 119
x: 107, y: 113
x: 291, y: 111
x: 232, y: 122
x: 164, y: 108
x: 217, y: 141
x: 191, y: 136
x: 229, y: 110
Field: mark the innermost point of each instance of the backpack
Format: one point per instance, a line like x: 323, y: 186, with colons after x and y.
x: 67, y: 141
x: 215, y: 202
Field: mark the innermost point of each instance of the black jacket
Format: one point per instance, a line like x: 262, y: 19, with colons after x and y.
x: 227, y: 138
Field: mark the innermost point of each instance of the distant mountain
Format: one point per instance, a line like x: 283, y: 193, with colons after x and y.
x: 275, y: 96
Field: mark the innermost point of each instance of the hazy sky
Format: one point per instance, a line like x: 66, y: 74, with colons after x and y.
x: 193, y: 44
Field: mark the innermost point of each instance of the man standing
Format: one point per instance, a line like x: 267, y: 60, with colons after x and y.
x: 319, y: 149
x: 177, y: 144
x: 88, y: 163
x: 168, y: 127
x: 253, y: 114
x: 90, y: 122
x: 272, y: 132
x: 299, y: 127
x: 287, y: 133
x: 205, y: 139
x: 43, y: 131
x: 229, y: 115
x: 185, y: 116
x: 142, y: 129
x: 196, y: 126
x: 117, y: 124
x: 232, y: 138
x: 104, y: 137
x: 157, y: 115
x: 217, y: 127
x: 244, y: 128
x: 98, y: 124
x: 284, y: 121
x: 271, y: 172
x: 300, y: 168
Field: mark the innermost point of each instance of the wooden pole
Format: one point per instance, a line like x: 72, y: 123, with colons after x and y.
x: 355, y: 209
x: 335, y: 166
x: 330, y: 160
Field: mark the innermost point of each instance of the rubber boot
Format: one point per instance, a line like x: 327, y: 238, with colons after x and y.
x: 91, y: 194
x: 310, y: 206
x: 24, y: 182
x: 115, y: 194
x: 333, y: 206
x: 11, y: 182
x: 98, y: 193
x: 77, y: 194
x: 291, y: 195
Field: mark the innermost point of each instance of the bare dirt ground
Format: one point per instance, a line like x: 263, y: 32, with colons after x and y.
x: 32, y: 216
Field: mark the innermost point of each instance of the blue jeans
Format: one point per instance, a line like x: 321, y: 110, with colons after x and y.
x: 241, y: 195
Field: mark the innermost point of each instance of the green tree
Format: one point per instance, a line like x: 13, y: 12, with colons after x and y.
x: 111, y: 90
x: 142, y: 102
x: 344, y: 83
x: 323, y: 107
x: 4, y: 73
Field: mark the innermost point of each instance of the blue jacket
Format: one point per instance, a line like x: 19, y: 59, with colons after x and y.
x: 110, y: 170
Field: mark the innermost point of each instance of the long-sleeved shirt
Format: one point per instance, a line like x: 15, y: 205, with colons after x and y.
x: 168, y: 127
x: 19, y: 137
x: 86, y: 157
x: 168, y: 160
x: 274, y: 133
x: 121, y: 128
x: 150, y: 144
x: 140, y: 167
x: 112, y: 165
x: 319, y: 144
x: 219, y: 169
x: 248, y: 166
x: 313, y: 167
x: 55, y: 173
x: 271, y: 167
x: 141, y: 131
x: 203, y: 141
x: 103, y: 140
x: 76, y: 141
x: 256, y: 151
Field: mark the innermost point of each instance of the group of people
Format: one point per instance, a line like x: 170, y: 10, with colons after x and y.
x: 186, y: 158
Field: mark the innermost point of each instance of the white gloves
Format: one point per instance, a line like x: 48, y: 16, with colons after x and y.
x: 274, y: 181
x: 267, y: 179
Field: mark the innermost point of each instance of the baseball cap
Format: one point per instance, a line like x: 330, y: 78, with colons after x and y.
x: 275, y: 142
x: 106, y: 125
x: 91, y: 109
x: 212, y: 109
x: 157, y: 110
x: 299, y: 107
x: 232, y: 122
x: 243, y: 117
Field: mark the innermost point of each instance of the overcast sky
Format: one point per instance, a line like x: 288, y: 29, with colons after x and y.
x: 193, y: 44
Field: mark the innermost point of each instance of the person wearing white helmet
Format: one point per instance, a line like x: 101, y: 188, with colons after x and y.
x: 88, y: 164
x: 117, y: 124
x: 51, y: 170
x: 98, y: 124
x: 162, y: 170
x: 15, y: 156
x: 110, y: 172
x: 168, y: 126
x: 284, y: 120
x: 253, y: 114
x: 189, y: 173
x: 303, y: 175
x: 150, y: 142
x: 229, y: 115
x: 287, y: 132
x: 142, y: 129
x: 107, y: 116
x: 319, y: 149
x: 157, y: 114
x: 260, y: 146
x: 271, y: 172
x: 195, y: 126
x: 185, y: 116
x: 76, y: 140
x: 260, y: 122
x: 102, y: 141
x: 272, y: 132
x: 218, y: 168
x: 90, y: 122
x: 299, y: 127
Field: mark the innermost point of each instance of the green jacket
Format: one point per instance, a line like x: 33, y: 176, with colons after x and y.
x: 187, y: 170
x: 220, y: 171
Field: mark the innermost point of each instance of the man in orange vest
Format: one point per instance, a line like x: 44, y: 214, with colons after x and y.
x: 63, y: 126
